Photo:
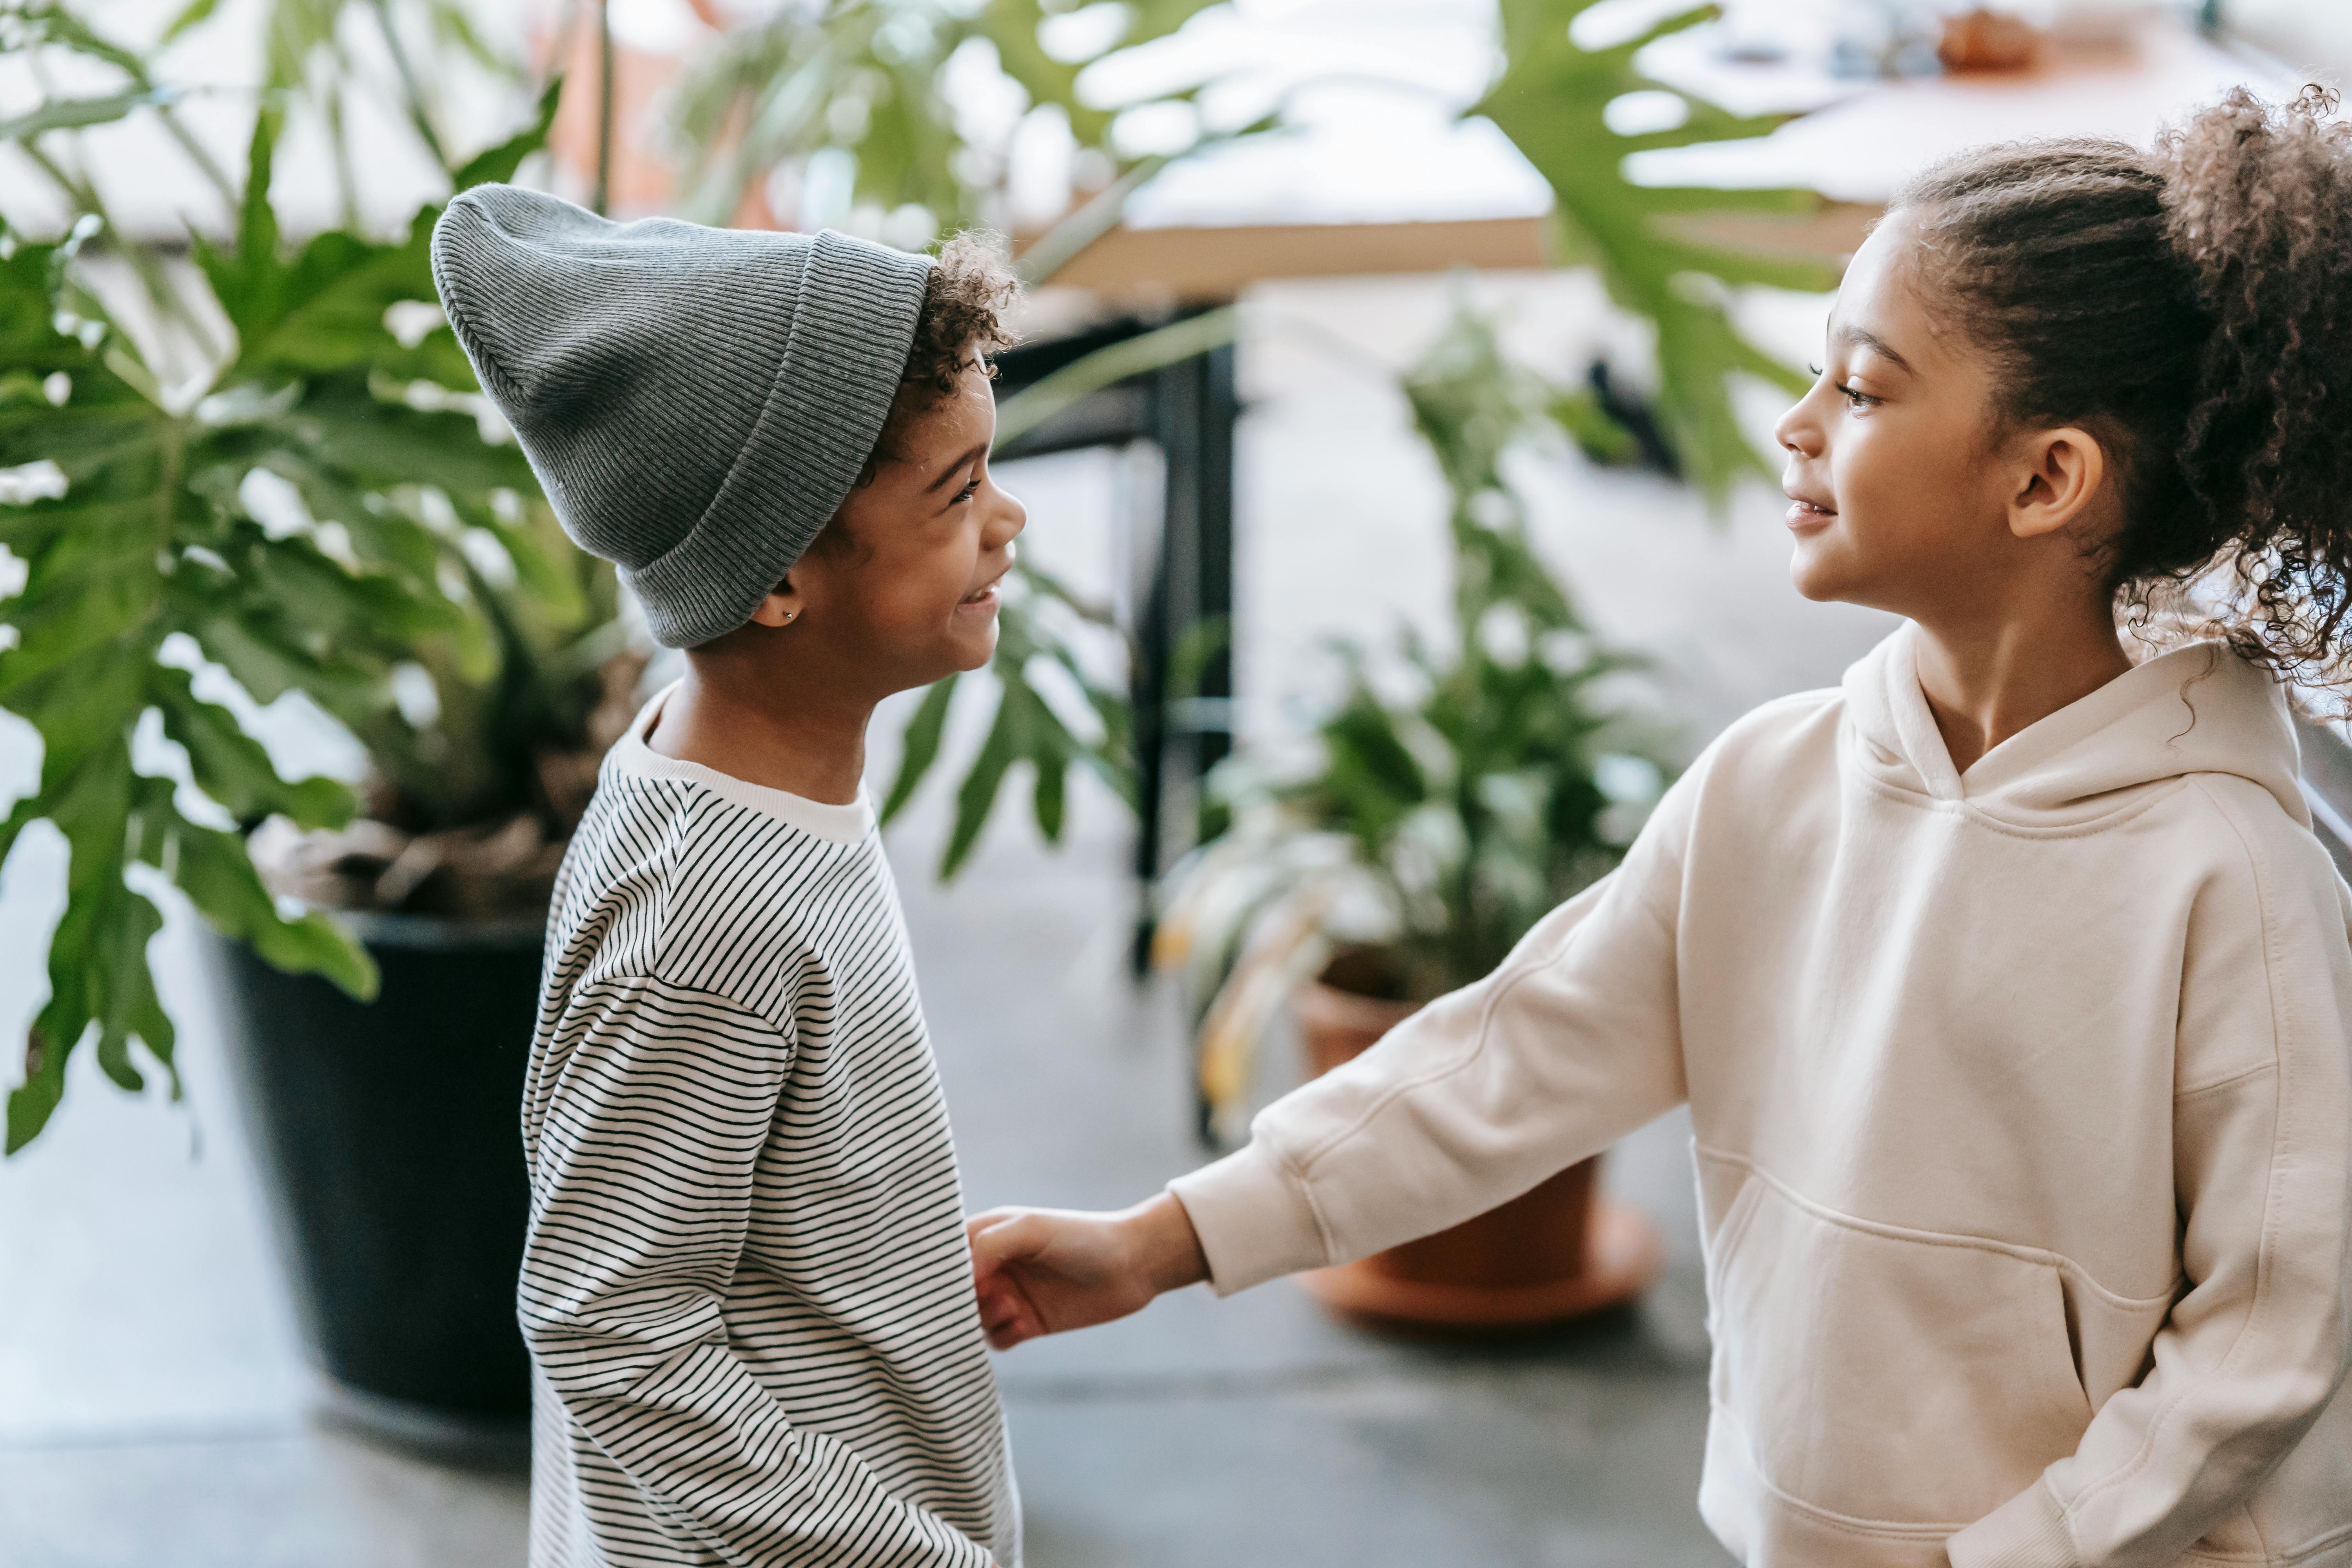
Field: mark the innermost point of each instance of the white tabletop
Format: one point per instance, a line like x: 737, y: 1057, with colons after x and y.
x: 1383, y: 145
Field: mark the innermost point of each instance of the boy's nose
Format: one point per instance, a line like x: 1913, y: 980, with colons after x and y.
x: 1010, y: 519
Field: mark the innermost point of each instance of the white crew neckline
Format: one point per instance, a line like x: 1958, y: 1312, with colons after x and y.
x: 838, y: 824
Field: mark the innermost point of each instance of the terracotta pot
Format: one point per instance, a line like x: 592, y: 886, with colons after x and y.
x: 1558, y: 1251
x: 1988, y: 40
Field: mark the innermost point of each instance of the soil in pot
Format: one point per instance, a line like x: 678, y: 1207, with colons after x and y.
x: 1560, y: 1251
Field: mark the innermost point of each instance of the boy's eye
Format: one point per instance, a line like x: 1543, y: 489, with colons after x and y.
x: 966, y: 493
x: 1854, y: 397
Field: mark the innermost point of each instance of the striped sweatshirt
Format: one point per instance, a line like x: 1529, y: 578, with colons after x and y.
x: 746, y: 1290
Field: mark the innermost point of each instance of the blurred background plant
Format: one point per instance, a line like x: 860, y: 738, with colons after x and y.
x: 750, y: 110
x: 1577, y: 113
x: 246, y: 469
x: 242, y: 468
x: 897, y: 119
x: 1454, y: 794
x: 869, y: 115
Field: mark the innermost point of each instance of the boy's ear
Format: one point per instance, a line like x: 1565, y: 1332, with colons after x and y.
x: 2064, y: 471
x: 783, y: 604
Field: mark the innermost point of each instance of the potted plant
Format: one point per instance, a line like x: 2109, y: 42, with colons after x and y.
x: 237, y: 470
x: 843, y: 101
x: 248, y: 469
x: 1451, y: 798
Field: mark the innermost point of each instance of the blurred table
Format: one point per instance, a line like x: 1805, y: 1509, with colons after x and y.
x: 1382, y: 181
x: 1376, y: 185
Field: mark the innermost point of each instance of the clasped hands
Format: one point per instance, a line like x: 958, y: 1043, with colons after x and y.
x: 1044, y: 1272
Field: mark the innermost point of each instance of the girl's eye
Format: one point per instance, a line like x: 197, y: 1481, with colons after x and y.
x: 966, y: 493
x: 1855, y: 398
x: 1816, y: 371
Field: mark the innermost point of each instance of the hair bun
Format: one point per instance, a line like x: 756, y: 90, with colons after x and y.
x: 2258, y: 201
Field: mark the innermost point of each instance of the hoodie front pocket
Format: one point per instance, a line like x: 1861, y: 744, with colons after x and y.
x: 1891, y: 1375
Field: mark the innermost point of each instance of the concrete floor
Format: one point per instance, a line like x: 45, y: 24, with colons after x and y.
x: 154, y: 1405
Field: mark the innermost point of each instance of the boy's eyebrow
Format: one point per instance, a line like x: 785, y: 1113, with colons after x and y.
x: 963, y: 460
x: 1874, y: 342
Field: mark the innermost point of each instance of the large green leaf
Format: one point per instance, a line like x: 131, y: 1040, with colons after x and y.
x: 231, y: 767
x: 303, y: 522
x: 73, y: 114
x: 1550, y: 100
x: 862, y: 77
x: 918, y: 747
x: 1024, y: 727
x: 499, y: 162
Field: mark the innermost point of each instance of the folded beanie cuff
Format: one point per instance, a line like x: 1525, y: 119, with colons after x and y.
x: 852, y: 327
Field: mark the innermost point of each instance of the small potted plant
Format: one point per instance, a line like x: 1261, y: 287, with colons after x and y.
x: 1451, y: 799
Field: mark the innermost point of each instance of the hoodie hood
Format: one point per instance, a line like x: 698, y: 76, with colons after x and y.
x: 2196, y: 709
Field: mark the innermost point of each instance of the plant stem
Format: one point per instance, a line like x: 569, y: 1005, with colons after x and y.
x: 198, y: 154
x: 1060, y: 245
x: 604, y: 194
x: 408, y: 86
x: 346, y: 181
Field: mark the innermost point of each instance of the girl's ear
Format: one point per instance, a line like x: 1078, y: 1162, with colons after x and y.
x: 2064, y: 471
x: 783, y: 604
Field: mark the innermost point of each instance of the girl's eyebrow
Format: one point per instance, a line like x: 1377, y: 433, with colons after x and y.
x: 1875, y: 343
x: 963, y: 460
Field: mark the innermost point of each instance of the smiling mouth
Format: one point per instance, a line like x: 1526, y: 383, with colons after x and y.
x: 983, y: 597
x: 1803, y: 513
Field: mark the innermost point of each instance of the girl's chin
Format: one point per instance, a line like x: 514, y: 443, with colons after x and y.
x: 1813, y: 571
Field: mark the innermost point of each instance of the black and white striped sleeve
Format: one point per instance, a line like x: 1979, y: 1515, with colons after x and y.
x: 642, y: 1192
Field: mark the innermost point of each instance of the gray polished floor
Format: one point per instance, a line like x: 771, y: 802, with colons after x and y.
x: 154, y: 1408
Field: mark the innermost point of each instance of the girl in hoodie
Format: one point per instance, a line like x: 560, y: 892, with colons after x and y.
x: 2006, y: 984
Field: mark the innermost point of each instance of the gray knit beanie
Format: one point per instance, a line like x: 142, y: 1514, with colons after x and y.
x: 698, y: 402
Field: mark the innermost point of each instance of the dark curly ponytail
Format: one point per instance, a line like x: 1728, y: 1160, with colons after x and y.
x: 2191, y: 307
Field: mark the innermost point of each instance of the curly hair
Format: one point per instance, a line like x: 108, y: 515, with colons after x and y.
x: 970, y: 288
x: 2192, y: 307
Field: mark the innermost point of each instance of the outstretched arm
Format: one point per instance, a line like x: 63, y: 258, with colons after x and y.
x: 1042, y: 1271
x: 1572, y: 1043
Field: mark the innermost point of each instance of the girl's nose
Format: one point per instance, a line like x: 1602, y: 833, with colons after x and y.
x: 1797, y: 433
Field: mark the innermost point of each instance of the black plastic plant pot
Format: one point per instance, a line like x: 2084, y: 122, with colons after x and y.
x: 387, y: 1136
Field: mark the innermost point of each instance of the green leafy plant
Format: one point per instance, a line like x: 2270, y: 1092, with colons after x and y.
x: 1454, y: 794
x: 771, y: 91
x: 859, y: 82
x: 320, y: 509
x: 1044, y: 630
x: 1551, y: 98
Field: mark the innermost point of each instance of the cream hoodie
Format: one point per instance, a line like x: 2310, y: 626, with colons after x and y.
x: 2023, y: 1114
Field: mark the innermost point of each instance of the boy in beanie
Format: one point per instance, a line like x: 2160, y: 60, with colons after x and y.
x: 746, y: 1290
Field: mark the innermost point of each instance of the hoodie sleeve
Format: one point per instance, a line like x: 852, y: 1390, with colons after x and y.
x: 1572, y: 1043
x: 2255, y: 1346
x: 642, y: 1192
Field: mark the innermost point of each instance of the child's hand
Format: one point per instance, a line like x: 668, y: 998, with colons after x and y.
x: 1042, y: 1271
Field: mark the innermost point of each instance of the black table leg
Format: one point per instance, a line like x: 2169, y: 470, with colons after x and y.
x: 1182, y: 684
